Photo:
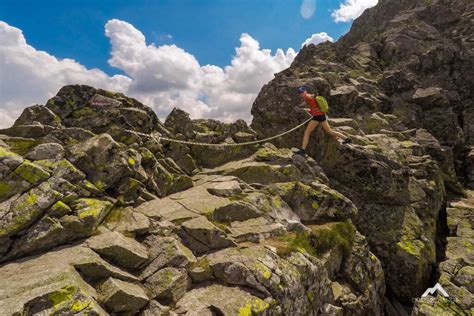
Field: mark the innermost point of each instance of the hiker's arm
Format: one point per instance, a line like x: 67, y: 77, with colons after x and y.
x: 303, y: 108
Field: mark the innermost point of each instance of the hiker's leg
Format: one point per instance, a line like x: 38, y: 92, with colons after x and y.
x: 328, y: 130
x: 309, y: 129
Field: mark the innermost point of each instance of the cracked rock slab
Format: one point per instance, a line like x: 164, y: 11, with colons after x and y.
x: 52, y: 281
x: 165, y: 252
x: 225, y: 189
x: 203, y: 236
x: 120, y: 296
x: 255, y: 230
x: 168, y: 285
x: 124, y: 251
x: 220, y: 300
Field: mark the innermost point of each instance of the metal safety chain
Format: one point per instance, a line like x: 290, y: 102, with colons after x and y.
x: 186, y: 142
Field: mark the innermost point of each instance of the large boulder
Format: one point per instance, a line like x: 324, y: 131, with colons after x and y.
x: 55, y: 283
x: 101, y: 111
x: 120, y: 296
x: 226, y: 300
x: 125, y: 252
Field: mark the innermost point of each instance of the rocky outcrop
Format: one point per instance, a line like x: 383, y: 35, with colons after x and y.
x: 456, y: 270
x: 399, y: 80
x: 207, y: 131
x: 397, y: 59
x: 140, y: 235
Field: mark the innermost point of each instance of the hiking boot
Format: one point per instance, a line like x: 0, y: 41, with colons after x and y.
x: 347, y: 141
x: 300, y: 152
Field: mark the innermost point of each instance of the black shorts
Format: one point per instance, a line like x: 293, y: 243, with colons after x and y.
x: 319, y: 118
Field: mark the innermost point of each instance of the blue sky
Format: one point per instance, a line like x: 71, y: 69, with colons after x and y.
x: 210, y: 30
x: 209, y: 58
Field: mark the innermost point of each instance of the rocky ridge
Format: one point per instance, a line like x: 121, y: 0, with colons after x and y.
x: 114, y: 220
x: 99, y: 216
x: 403, y: 74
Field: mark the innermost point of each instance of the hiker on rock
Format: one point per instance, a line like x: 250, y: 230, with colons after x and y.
x: 318, y: 118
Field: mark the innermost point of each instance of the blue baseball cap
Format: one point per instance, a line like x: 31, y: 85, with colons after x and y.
x: 301, y: 89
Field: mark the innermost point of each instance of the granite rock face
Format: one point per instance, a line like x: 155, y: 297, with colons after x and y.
x: 127, y: 229
x: 456, y: 270
x: 400, y: 84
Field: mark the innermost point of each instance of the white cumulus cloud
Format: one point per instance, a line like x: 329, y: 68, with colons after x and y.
x: 159, y: 76
x: 317, y: 39
x: 29, y: 76
x: 167, y: 76
x: 352, y: 9
x: 307, y: 8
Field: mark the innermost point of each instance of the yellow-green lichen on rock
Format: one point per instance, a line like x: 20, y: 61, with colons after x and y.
x: 412, y: 247
x: 21, y: 145
x: 277, y: 201
x: 411, y: 241
x: 6, y: 153
x: 59, y: 209
x: 31, y: 172
x: 439, y: 305
x: 67, y: 170
x: 80, y: 305
x: 69, y: 298
x: 91, y: 208
x: 263, y: 269
x: 62, y: 295
x: 7, y: 189
x: 254, y: 307
x: 26, y: 208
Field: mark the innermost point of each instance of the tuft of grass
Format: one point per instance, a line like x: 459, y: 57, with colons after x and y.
x: 300, y: 241
x: 340, y: 234
x: 319, y: 240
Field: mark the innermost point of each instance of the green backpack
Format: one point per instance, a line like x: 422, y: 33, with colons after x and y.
x: 322, y: 104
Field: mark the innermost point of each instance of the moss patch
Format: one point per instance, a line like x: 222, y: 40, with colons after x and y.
x: 6, y: 189
x: 86, y: 111
x: 329, y: 236
x: 294, y: 242
x: 21, y: 145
